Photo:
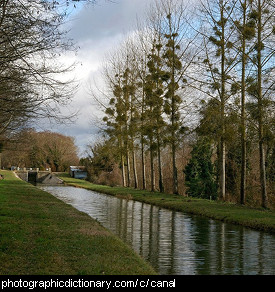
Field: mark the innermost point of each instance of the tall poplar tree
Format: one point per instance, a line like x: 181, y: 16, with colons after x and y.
x: 219, y: 65
x: 176, y: 55
x: 246, y: 32
x: 115, y: 126
x: 142, y: 71
x: 262, y: 86
x: 154, y: 89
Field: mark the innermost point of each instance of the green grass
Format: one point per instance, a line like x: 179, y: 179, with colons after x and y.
x: 41, y: 235
x: 259, y: 219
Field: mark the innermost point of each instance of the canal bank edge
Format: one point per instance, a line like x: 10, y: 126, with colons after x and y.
x: 41, y: 235
x: 258, y: 219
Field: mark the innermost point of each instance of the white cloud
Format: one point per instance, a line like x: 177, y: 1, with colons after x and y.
x: 96, y: 29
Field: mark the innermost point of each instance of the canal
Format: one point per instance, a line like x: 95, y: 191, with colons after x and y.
x: 176, y: 243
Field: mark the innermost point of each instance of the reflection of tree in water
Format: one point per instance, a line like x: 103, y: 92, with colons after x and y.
x: 176, y: 243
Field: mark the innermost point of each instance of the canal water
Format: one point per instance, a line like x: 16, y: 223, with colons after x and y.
x: 176, y: 243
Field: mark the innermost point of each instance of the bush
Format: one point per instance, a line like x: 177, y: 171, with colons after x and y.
x: 199, y: 172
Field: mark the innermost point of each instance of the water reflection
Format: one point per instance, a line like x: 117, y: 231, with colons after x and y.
x: 176, y: 243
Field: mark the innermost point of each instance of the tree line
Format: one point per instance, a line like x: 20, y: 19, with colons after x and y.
x: 41, y: 150
x: 193, y: 79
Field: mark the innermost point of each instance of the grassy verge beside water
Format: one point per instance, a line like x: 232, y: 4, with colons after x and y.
x: 41, y: 235
x: 259, y: 219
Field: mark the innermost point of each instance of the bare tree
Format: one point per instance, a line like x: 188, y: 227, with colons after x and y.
x: 32, y: 41
x: 171, y: 19
x: 219, y: 61
x: 262, y: 87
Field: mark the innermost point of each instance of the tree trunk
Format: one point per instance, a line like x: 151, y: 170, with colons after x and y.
x: 223, y: 98
x: 152, y: 168
x: 123, y: 178
x: 175, y: 171
x: 222, y: 171
x: 260, y: 108
x: 173, y: 121
x: 128, y: 169
x: 143, y: 167
x: 135, y: 170
x: 243, y: 114
x: 243, y: 155
x: 161, y: 187
x: 123, y: 170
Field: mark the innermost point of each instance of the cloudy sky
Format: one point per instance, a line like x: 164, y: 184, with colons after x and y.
x: 96, y: 29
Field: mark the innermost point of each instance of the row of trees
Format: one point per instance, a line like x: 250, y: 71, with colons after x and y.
x: 194, y: 75
x: 41, y: 150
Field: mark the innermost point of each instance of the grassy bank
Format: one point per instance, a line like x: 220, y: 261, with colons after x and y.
x: 40, y: 234
x: 254, y: 218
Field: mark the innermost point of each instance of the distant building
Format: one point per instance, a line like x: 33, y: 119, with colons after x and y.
x: 79, y: 172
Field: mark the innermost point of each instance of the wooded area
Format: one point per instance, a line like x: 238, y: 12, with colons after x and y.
x: 189, y: 107
x: 41, y: 150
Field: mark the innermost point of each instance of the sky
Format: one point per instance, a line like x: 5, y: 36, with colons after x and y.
x: 96, y: 29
